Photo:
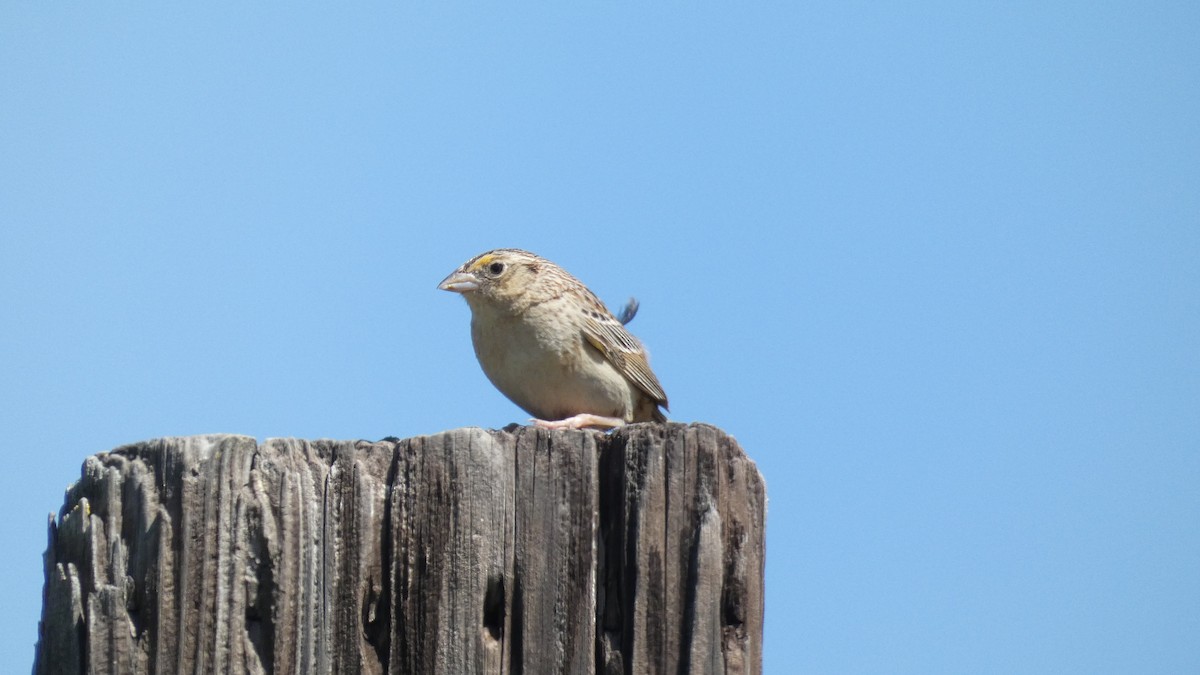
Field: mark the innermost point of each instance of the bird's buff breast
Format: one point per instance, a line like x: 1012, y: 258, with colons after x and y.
x: 551, y: 374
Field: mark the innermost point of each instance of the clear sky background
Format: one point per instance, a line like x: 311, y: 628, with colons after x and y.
x: 937, y: 267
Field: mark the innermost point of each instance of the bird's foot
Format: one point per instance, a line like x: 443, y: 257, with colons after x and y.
x: 582, y: 421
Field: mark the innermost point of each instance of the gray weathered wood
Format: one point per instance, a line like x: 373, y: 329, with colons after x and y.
x: 470, y: 551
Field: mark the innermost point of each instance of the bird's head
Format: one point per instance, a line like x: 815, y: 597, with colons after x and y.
x: 507, y: 277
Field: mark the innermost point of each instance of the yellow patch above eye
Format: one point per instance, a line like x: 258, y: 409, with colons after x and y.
x: 483, y: 261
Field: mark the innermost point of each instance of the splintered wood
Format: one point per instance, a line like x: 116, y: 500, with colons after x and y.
x: 470, y: 551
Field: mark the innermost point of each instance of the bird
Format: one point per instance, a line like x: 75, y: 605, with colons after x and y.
x: 552, y: 347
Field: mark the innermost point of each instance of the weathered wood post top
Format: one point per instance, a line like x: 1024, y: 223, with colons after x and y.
x: 471, y: 551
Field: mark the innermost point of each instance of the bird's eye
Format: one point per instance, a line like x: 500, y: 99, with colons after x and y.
x: 496, y: 267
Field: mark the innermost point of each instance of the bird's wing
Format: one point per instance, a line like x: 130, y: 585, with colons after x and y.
x: 623, y: 350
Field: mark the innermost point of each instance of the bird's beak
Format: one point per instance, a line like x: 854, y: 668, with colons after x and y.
x: 459, y: 282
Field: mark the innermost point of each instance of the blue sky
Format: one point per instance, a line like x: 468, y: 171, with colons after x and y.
x: 937, y: 267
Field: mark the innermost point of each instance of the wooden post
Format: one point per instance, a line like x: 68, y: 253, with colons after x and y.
x: 469, y: 551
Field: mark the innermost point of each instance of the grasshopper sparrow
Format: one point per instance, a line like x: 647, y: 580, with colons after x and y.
x: 552, y: 347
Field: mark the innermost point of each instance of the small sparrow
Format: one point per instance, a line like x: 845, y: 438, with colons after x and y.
x: 549, y: 344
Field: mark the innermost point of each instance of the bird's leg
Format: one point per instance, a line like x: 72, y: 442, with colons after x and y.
x: 582, y: 421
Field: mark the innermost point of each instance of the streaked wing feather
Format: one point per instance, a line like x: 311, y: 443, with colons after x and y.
x: 624, y: 351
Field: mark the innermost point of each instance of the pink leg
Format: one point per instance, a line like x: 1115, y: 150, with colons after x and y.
x: 582, y: 421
